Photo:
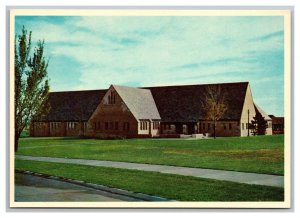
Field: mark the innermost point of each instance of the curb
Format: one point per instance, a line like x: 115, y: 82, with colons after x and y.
x: 130, y: 194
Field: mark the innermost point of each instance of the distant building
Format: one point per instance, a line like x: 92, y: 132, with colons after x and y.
x: 278, y: 125
x: 165, y: 111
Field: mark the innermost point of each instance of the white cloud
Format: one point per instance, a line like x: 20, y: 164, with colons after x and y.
x: 150, y: 51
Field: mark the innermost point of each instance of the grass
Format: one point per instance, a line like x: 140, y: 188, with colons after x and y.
x: 180, y: 188
x: 261, y: 154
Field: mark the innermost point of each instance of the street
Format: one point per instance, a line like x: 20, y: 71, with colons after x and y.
x: 29, y: 188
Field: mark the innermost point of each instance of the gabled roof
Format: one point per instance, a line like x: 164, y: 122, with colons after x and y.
x: 264, y: 114
x: 184, y: 103
x: 73, y: 105
x: 168, y: 103
x: 139, y: 101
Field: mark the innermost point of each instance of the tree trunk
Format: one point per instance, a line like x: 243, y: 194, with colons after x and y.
x: 214, y: 130
x: 17, y: 136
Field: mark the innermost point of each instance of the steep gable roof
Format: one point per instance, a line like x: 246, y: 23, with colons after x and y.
x: 264, y: 114
x: 73, y: 105
x: 168, y: 103
x: 139, y: 101
x: 184, y: 103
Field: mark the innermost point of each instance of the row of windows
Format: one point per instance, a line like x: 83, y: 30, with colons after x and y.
x: 144, y: 125
x: 269, y: 125
x: 56, y: 125
x: 210, y: 126
x: 167, y: 127
x: 111, y: 126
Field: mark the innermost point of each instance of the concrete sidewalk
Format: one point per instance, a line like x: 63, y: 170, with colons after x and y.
x: 240, y: 177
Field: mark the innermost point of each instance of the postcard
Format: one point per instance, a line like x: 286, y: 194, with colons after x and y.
x: 150, y: 108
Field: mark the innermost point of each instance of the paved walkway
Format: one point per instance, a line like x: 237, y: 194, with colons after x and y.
x: 241, y: 177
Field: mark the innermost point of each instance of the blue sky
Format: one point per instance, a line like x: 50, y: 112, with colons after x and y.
x: 94, y: 52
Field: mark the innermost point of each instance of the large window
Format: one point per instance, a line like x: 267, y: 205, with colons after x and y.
x: 112, y: 98
x: 71, y: 125
x: 54, y: 125
x: 143, y: 125
x: 155, y: 125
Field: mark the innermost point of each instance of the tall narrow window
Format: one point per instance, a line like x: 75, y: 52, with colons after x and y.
x: 242, y: 126
x: 106, y: 125
x: 230, y: 126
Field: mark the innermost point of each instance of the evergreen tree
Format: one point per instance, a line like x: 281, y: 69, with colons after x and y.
x: 31, y: 83
x: 258, y: 124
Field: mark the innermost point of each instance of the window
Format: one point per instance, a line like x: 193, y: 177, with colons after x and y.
x: 203, y: 126
x: 208, y: 126
x: 230, y: 126
x: 98, y: 125
x: 106, y: 125
x: 242, y: 126
x: 155, y: 125
x: 224, y: 126
x: 143, y: 125
x: 111, y: 98
x: 246, y: 125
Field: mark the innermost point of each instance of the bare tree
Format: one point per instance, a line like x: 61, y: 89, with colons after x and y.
x: 215, y: 104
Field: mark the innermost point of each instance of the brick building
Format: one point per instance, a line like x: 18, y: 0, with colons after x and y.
x: 165, y: 111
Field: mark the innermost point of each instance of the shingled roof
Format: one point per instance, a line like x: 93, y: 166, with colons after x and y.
x: 73, y: 105
x: 139, y: 101
x: 184, y: 103
x: 173, y: 103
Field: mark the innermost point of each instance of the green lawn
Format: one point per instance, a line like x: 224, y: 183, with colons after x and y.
x: 261, y: 154
x: 181, y: 188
